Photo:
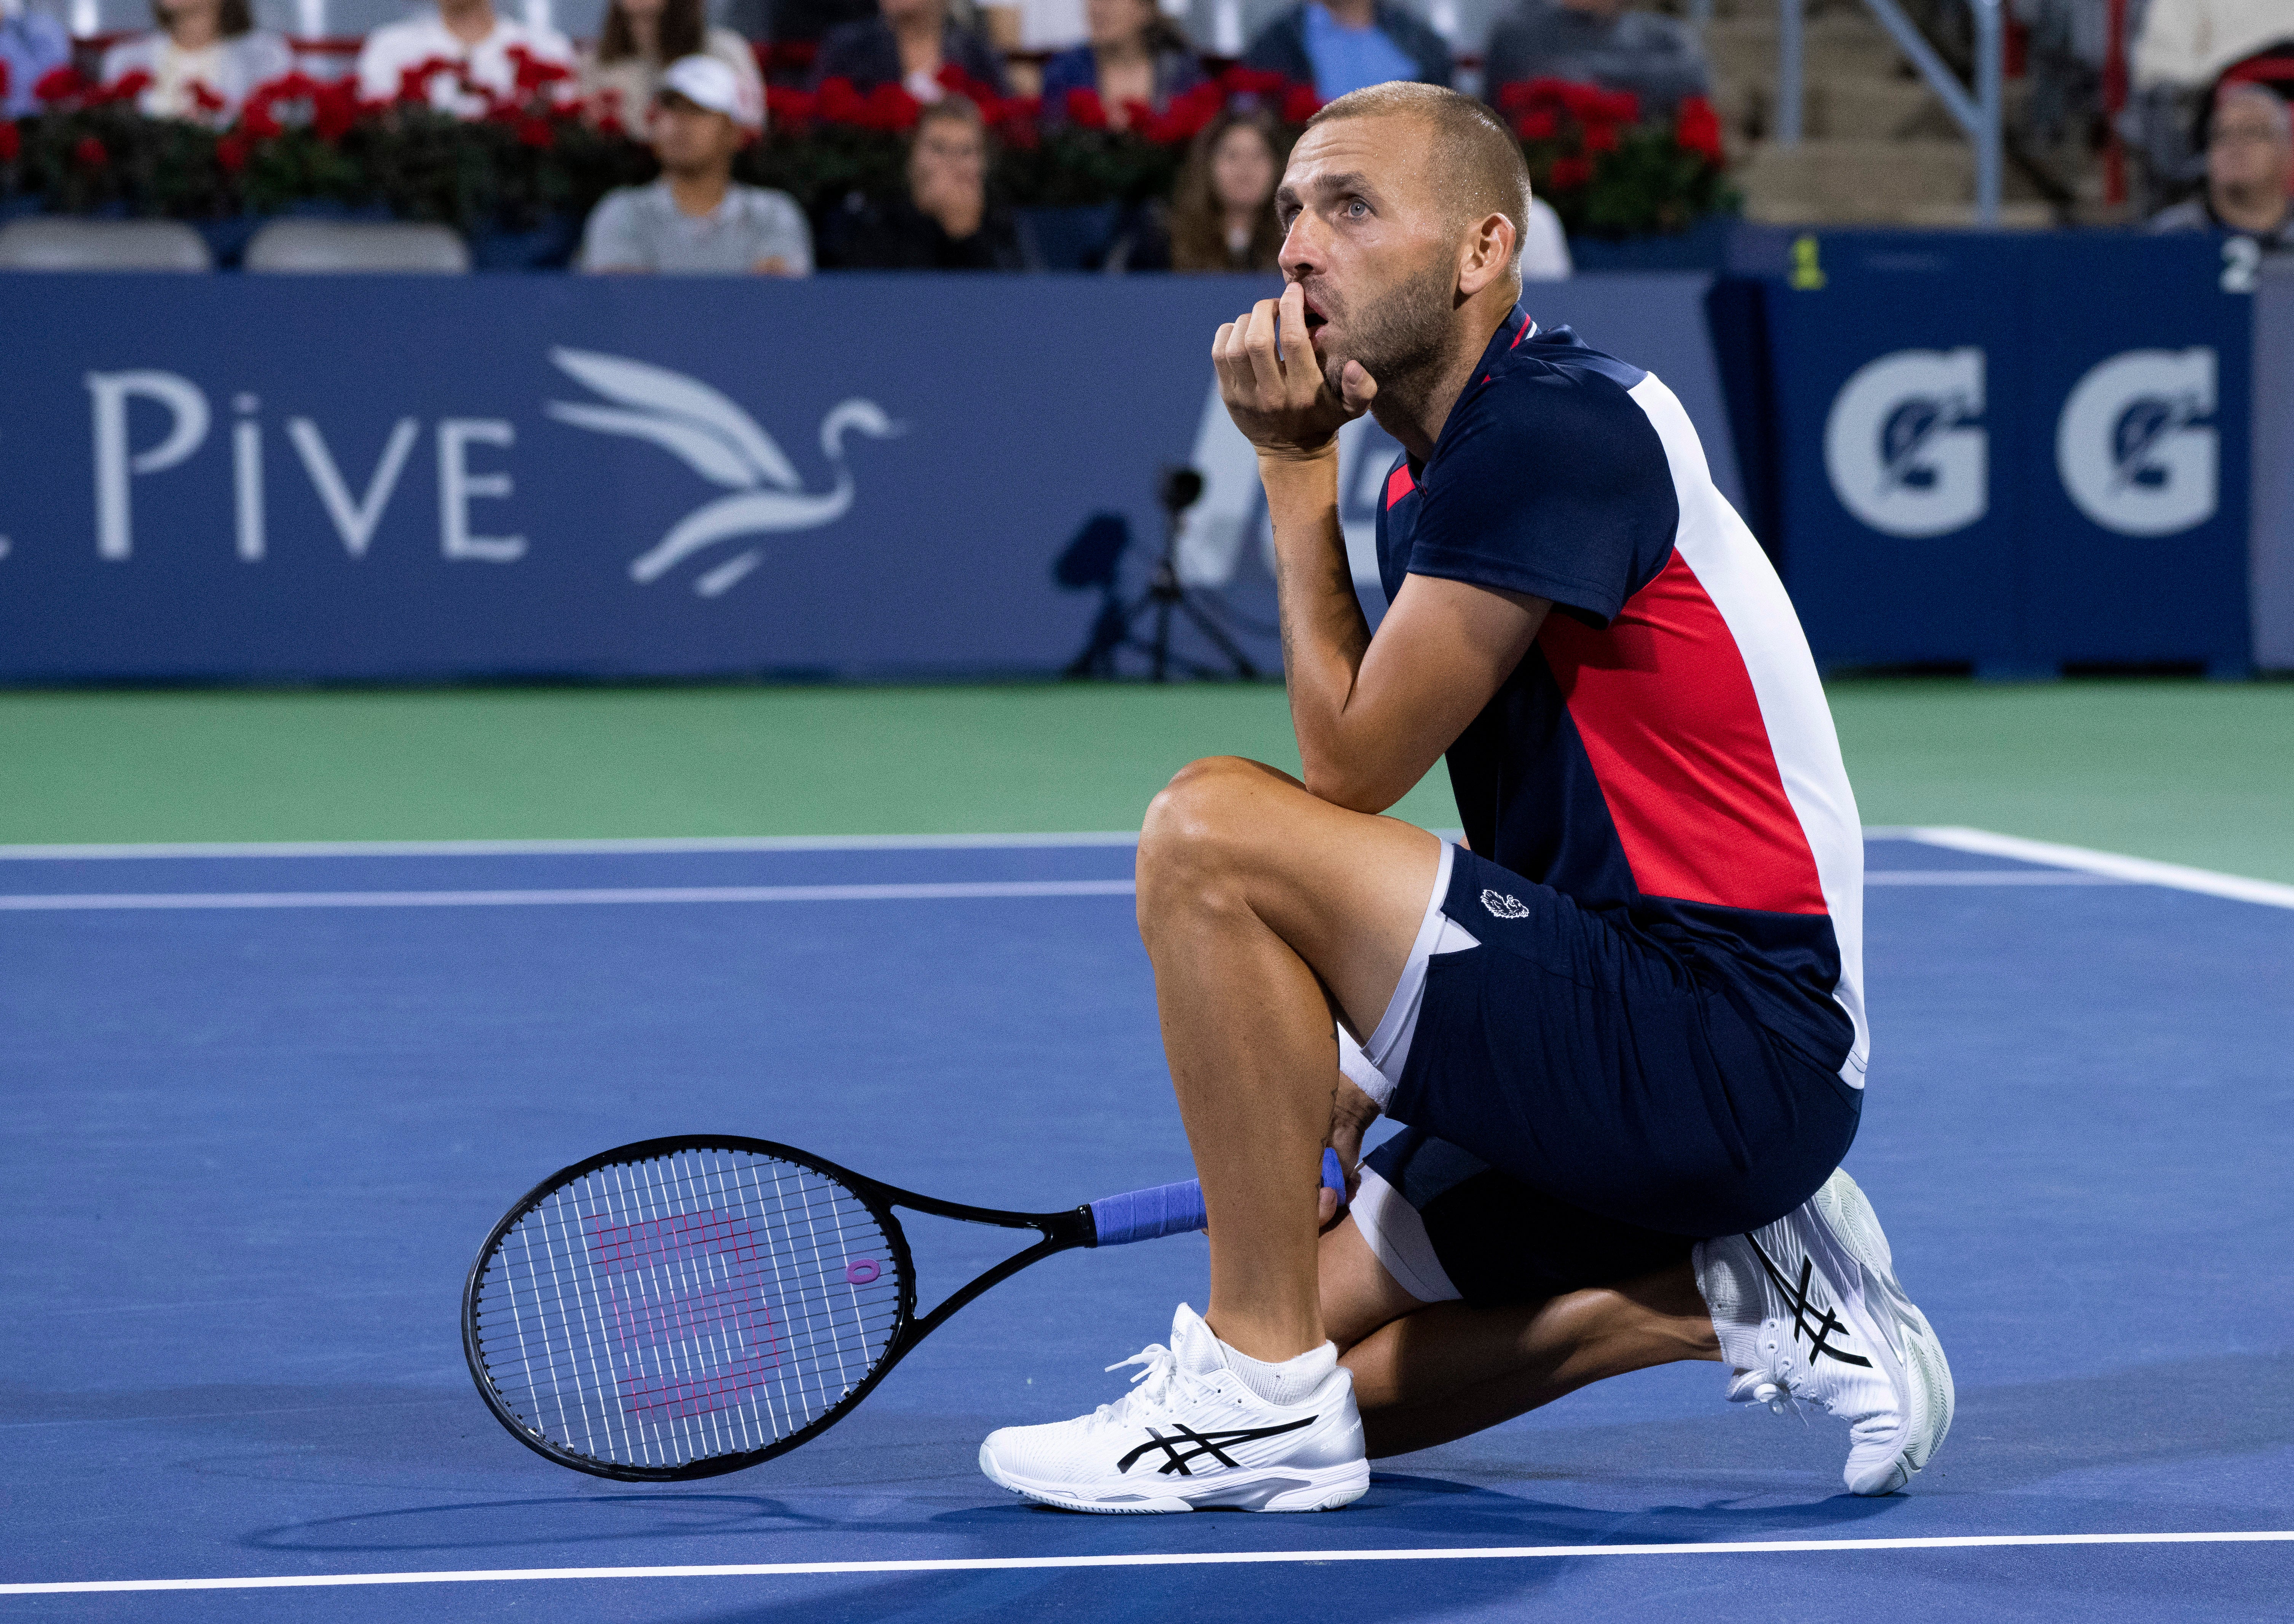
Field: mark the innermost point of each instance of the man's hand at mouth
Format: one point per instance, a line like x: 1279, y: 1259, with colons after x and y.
x: 1273, y: 384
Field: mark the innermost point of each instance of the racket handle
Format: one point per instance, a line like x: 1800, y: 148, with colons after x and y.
x: 1173, y: 1209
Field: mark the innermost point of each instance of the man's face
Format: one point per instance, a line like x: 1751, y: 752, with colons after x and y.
x: 2246, y: 152
x: 1370, y: 244
x: 689, y: 137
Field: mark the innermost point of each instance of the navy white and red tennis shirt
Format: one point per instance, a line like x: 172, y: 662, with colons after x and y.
x: 1664, y: 753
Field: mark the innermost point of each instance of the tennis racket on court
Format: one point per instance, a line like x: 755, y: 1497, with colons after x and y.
x: 680, y: 1308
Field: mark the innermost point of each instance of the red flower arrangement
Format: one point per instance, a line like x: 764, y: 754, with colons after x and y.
x: 59, y: 87
x: 447, y: 148
x: 1607, y: 171
x: 1697, y: 128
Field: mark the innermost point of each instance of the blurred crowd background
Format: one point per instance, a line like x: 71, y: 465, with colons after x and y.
x: 782, y: 136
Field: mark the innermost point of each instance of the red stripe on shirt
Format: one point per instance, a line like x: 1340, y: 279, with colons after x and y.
x: 1669, y: 719
x: 1398, y: 484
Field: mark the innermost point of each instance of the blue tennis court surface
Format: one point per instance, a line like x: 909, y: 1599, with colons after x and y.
x: 259, y: 1118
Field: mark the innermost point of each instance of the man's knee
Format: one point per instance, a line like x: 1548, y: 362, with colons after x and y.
x: 1192, y: 843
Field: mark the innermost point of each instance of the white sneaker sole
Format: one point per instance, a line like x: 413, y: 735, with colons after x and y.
x: 1928, y: 1412
x: 1266, y: 1488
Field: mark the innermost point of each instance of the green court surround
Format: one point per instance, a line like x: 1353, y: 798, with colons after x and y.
x: 2182, y: 771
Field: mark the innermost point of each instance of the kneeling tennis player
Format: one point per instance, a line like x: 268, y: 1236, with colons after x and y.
x: 1623, y: 1023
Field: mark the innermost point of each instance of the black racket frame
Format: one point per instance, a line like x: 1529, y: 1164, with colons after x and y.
x: 1061, y: 1231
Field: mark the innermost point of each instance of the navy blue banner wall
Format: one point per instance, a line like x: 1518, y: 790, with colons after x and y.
x: 379, y: 478
x: 2020, y: 451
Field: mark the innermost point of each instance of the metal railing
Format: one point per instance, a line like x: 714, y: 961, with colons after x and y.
x: 1978, y: 114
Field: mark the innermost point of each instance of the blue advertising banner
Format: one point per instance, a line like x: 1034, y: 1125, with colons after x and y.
x: 2019, y: 451
x: 2273, y: 470
x: 375, y: 478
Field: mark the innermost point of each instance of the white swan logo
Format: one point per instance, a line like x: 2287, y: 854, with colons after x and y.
x: 722, y: 444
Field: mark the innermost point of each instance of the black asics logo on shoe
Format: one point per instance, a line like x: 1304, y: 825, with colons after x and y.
x: 1187, y: 1444
x: 1807, y: 1320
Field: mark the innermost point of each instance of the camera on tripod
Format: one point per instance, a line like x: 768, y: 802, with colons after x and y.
x: 1091, y: 560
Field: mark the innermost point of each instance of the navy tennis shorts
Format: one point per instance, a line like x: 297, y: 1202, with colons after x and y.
x: 1582, y: 1099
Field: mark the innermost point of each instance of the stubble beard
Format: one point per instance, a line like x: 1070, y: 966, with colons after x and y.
x: 1402, y: 338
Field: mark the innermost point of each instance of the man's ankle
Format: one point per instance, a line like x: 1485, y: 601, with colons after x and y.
x: 1286, y: 1380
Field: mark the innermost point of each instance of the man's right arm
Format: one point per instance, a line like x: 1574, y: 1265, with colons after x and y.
x: 1373, y: 714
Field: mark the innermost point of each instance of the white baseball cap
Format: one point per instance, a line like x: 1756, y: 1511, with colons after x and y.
x: 708, y: 82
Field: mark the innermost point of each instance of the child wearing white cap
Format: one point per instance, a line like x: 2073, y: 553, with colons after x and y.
x: 696, y: 219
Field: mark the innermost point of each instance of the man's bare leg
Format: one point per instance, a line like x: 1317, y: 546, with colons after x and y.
x: 1262, y: 907
x: 1428, y: 1373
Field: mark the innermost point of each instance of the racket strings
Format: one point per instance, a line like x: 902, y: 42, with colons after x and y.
x: 707, y: 1302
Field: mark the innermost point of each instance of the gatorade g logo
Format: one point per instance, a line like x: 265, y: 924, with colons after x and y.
x: 1905, y: 444
x: 2131, y: 447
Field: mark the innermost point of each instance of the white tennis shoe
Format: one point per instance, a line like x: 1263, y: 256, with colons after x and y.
x: 1190, y: 1435
x: 1808, y: 1309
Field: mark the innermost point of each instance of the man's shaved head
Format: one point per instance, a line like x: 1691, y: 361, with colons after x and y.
x: 1472, y: 157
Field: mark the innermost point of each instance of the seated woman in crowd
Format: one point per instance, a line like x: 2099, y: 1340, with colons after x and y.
x: 622, y: 72
x: 211, y: 44
x: 945, y: 222
x: 1133, y: 56
x: 469, y: 34
x: 908, y: 43
x: 1223, y: 208
x: 695, y: 218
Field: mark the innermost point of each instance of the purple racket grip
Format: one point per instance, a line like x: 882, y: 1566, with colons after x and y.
x: 1173, y: 1209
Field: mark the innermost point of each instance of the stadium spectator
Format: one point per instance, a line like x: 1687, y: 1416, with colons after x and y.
x: 32, y: 45
x: 623, y: 71
x: 204, y: 58
x: 1350, y: 44
x: 695, y: 219
x: 2250, y: 166
x: 2184, y: 44
x: 1597, y: 42
x: 1223, y: 208
x: 908, y: 43
x: 468, y: 34
x: 946, y: 221
x: 1133, y: 57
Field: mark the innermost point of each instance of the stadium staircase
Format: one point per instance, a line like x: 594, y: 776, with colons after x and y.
x: 1877, y: 147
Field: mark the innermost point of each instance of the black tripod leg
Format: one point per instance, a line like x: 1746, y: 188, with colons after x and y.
x: 1217, y: 635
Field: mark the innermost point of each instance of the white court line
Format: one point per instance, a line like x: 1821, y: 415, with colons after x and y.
x: 1986, y: 876
x: 109, y: 901
x: 974, y: 1564
x: 578, y: 848
x: 2139, y: 871
x: 92, y: 902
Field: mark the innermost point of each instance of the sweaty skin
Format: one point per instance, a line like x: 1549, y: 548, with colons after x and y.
x: 1266, y: 903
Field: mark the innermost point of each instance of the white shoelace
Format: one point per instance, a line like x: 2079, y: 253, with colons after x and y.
x: 1159, y: 1372
x: 1775, y: 1388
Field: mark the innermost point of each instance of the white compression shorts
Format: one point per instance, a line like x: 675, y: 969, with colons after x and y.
x: 1388, y: 1223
